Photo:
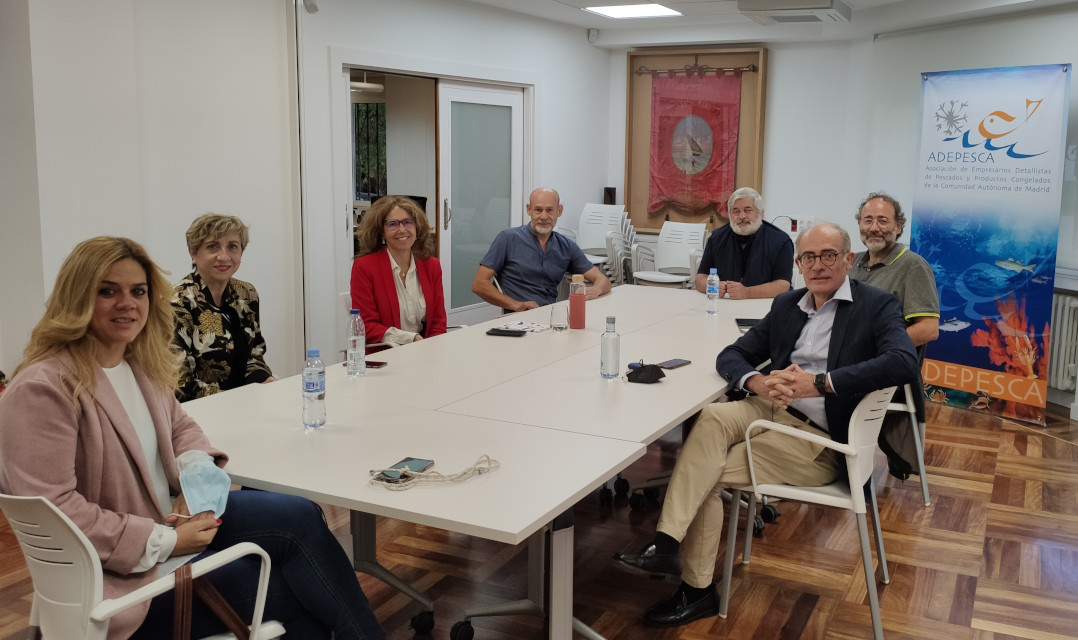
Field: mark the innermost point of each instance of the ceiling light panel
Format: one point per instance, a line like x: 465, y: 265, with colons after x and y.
x: 633, y: 11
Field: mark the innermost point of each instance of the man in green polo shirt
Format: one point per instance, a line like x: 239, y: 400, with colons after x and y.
x: 891, y: 266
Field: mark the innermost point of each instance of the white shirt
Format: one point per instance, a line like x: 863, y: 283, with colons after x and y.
x: 412, y: 304
x: 810, y: 350
x: 162, y: 539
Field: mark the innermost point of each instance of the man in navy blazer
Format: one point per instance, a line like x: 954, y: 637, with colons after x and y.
x: 828, y: 344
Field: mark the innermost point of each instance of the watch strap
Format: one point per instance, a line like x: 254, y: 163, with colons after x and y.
x: 820, y: 381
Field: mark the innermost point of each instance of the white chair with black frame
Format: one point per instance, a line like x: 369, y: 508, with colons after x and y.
x: 67, y: 577
x: 865, y: 424
x: 670, y: 260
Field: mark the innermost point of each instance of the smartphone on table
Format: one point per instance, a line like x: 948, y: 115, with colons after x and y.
x: 674, y: 363
x: 412, y: 464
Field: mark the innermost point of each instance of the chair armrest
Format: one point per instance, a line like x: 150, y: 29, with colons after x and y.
x: 641, y: 253
x: 792, y: 432
x: 106, y: 609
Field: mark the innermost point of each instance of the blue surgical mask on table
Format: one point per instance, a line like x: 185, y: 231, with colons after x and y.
x: 205, y: 486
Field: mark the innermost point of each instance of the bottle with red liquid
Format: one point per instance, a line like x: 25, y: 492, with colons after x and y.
x: 577, y: 296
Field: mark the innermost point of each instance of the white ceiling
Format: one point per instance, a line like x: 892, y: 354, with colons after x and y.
x: 718, y: 21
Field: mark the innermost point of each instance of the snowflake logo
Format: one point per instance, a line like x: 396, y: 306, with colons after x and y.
x: 951, y: 118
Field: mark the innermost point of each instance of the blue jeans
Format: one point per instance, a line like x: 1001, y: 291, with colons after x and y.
x: 313, y: 589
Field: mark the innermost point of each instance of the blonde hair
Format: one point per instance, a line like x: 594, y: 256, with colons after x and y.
x: 371, y: 233
x: 70, y: 307
x: 212, y: 226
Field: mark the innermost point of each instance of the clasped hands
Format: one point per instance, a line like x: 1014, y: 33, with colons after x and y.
x: 193, y: 532
x: 783, y: 386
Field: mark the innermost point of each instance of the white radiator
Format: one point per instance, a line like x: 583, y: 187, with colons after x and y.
x: 1063, y: 356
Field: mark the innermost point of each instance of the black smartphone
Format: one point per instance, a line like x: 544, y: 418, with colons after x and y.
x: 516, y: 333
x: 746, y: 323
x: 674, y: 364
x: 411, y: 464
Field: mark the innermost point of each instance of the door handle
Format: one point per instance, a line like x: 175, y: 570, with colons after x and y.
x: 447, y: 214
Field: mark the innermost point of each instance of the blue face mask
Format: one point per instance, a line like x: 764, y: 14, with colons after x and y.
x: 205, y: 487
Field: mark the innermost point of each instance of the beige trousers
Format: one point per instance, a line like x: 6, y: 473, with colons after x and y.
x: 714, y: 457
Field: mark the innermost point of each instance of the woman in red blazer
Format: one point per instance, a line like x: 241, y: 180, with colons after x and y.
x: 396, y: 281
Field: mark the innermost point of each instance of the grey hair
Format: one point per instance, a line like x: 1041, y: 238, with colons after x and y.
x: 846, y: 243
x: 746, y: 192
x: 900, y: 216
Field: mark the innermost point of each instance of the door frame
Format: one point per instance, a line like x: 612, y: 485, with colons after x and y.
x: 341, y: 61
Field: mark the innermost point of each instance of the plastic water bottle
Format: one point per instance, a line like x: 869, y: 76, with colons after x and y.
x: 357, y: 345
x: 713, y: 292
x: 610, y: 351
x: 314, y: 390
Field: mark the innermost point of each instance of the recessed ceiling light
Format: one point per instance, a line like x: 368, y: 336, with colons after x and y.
x: 633, y: 11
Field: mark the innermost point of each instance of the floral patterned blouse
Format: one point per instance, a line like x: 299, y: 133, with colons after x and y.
x: 222, y: 348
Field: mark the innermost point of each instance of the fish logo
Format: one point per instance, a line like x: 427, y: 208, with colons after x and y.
x: 996, y: 128
x: 954, y: 324
x: 1010, y: 264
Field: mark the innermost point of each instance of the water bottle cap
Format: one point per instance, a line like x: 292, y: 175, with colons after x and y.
x: 714, y: 271
x: 355, y: 312
x: 578, y: 277
x: 313, y: 353
x: 610, y: 319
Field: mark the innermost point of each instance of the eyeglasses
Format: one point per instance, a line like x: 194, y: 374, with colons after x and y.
x: 407, y: 223
x: 828, y: 258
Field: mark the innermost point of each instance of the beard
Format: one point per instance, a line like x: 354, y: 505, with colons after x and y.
x: 878, y: 244
x: 747, y: 228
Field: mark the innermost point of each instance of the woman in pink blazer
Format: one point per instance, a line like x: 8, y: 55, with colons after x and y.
x: 91, y: 422
x: 396, y: 280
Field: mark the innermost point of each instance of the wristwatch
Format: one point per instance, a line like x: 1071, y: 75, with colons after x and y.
x: 820, y: 381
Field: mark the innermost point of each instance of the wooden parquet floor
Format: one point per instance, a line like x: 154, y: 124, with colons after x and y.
x: 994, y: 557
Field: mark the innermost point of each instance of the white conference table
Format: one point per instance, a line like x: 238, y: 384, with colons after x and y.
x: 259, y: 427
x: 536, y: 404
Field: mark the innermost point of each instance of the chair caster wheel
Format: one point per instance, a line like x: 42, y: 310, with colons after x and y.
x: 637, y: 502
x: 423, y: 624
x: 651, y: 493
x: 606, y: 497
x: 757, y: 527
x: 769, y: 513
x: 621, y: 486
x: 462, y: 631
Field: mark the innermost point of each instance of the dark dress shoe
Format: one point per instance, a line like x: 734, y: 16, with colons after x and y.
x: 650, y: 561
x: 679, y: 609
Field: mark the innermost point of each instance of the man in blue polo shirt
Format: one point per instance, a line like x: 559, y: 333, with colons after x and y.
x: 530, y: 260
x: 754, y: 258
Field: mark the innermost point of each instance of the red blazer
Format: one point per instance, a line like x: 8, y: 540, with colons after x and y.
x: 375, y: 295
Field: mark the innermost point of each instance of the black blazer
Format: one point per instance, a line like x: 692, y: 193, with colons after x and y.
x: 869, y: 349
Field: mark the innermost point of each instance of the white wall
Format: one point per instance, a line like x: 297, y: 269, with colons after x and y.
x: 22, y: 290
x: 145, y: 115
x: 438, y: 38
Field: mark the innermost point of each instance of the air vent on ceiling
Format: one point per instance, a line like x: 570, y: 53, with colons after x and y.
x: 795, y: 11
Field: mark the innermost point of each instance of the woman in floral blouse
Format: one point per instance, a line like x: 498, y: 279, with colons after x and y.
x: 217, y: 326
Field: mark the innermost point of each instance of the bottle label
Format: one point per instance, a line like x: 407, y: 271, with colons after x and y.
x: 313, y: 385
x: 712, y: 289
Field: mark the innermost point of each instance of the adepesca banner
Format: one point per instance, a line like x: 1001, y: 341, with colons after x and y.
x: 986, y: 207
x: 694, y: 125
